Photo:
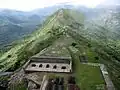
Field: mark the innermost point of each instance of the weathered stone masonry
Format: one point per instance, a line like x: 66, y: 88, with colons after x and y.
x: 49, y: 64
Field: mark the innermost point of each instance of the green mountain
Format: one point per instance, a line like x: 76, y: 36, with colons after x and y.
x: 52, y: 28
x: 15, y: 25
x: 67, y: 33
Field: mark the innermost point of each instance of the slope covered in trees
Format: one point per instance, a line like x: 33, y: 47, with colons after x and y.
x: 81, y: 37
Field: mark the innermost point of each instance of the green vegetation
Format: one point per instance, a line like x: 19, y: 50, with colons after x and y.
x: 66, y: 34
x: 87, y: 77
x: 58, y: 47
x: 15, y: 25
x: 16, y: 86
x: 4, y: 78
x: 92, y: 56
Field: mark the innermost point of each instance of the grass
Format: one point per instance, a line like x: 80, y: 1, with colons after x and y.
x: 20, y: 86
x: 4, y: 78
x: 87, y: 77
x: 92, y: 56
x: 49, y: 40
x: 36, y: 42
x: 32, y: 45
x: 58, y: 47
x: 0, y: 54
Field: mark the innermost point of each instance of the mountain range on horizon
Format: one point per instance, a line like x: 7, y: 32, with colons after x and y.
x: 27, y: 22
x: 66, y: 30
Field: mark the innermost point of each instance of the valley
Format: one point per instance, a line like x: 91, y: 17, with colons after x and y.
x: 67, y: 33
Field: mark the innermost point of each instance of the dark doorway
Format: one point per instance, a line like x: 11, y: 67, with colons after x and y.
x: 33, y: 65
x: 63, y: 67
x: 47, y: 66
x: 40, y: 65
x: 54, y: 67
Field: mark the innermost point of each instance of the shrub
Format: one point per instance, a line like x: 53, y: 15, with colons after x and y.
x: 97, y: 58
x: 89, y: 45
x: 74, y: 44
x: 9, y: 56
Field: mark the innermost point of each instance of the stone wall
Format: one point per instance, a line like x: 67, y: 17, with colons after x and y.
x: 49, y: 64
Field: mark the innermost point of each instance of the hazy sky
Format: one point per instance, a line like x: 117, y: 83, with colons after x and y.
x: 26, y: 5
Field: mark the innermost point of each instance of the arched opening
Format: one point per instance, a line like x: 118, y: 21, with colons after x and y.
x: 40, y: 65
x: 47, y: 66
x: 63, y: 67
x: 33, y: 65
x: 54, y: 67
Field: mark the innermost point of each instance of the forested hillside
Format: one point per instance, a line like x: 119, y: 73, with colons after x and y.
x: 97, y: 38
x: 15, y: 25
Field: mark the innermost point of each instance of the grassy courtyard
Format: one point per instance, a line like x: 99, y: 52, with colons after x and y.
x: 87, y: 77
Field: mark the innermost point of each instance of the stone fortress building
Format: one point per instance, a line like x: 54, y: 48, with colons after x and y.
x: 49, y: 64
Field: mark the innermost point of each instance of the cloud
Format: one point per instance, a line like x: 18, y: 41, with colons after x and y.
x: 27, y: 5
x: 111, y: 2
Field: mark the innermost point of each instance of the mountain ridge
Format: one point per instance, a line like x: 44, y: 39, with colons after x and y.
x: 67, y: 23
